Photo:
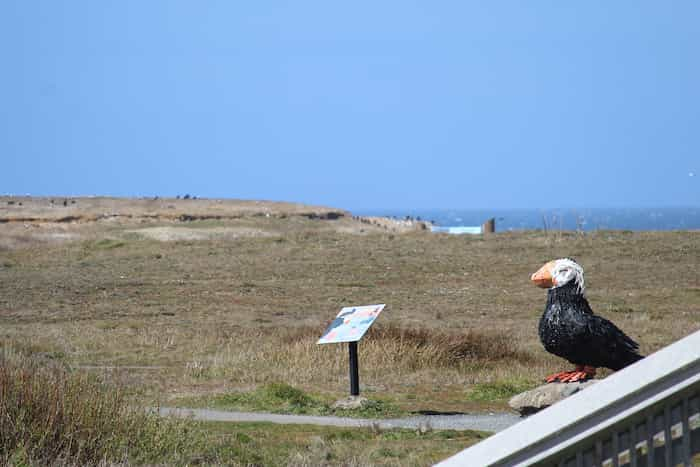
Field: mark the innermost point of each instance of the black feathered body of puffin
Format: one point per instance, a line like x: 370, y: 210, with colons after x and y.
x: 569, y: 329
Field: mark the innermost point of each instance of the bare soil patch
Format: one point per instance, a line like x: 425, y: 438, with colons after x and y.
x: 171, y: 234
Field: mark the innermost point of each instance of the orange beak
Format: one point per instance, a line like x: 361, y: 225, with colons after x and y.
x: 543, y: 276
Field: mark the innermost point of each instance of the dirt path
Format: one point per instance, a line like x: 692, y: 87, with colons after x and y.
x: 481, y: 422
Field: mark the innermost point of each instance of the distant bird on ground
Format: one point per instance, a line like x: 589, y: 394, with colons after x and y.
x: 569, y: 328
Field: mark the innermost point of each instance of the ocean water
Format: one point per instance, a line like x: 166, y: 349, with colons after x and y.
x: 636, y: 219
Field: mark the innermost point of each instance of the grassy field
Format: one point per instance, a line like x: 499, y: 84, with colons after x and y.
x: 53, y: 416
x: 201, y: 311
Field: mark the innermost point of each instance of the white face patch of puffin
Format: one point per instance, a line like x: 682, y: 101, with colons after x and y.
x: 565, y: 270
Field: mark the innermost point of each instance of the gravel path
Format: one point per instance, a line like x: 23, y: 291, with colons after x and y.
x: 482, y: 422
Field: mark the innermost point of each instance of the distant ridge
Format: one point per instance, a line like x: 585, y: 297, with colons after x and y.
x: 91, y: 209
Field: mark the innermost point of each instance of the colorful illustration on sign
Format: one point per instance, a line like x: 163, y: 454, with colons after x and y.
x: 351, y: 324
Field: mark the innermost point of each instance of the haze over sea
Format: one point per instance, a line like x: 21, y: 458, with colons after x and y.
x: 588, y: 219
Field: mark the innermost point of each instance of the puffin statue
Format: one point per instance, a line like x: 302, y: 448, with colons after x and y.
x: 569, y: 329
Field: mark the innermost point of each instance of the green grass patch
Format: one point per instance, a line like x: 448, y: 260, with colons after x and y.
x: 107, y: 244
x: 373, y: 408
x: 285, y: 399
x: 274, y: 397
x: 272, y: 444
x: 499, y: 390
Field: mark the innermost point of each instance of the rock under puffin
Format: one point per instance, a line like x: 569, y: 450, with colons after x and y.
x: 569, y: 329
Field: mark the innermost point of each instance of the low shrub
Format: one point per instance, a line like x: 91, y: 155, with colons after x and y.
x: 49, y: 415
x: 425, y: 347
x: 453, y: 348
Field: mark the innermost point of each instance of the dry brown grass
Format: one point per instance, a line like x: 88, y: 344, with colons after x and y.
x: 390, y: 356
x: 232, y: 312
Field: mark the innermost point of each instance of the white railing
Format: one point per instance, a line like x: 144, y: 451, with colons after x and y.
x: 645, y: 415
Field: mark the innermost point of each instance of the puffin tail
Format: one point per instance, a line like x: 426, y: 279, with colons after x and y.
x: 634, y: 358
x: 625, y: 350
x: 626, y: 360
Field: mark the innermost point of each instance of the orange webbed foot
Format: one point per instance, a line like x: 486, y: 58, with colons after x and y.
x: 557, y: 376
x: 580, y: 374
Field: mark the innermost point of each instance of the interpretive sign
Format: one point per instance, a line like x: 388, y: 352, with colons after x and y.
x: 351, y: 324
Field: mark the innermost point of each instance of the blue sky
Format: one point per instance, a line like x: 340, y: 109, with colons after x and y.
x: 354, y: 104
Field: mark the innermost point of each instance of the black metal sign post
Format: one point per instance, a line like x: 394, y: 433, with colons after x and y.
x: 354, y: 370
